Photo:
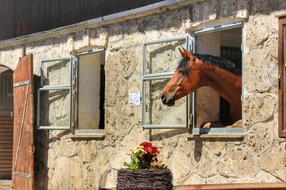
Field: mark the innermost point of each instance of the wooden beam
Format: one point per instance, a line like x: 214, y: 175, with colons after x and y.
x: 234, y: 186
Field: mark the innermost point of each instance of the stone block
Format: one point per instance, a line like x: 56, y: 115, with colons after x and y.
x: 273, y: 161
x: 259, y: 108
x: 61, y: 174
x: 256, y: 39
x: 260, y: 137
x: 195, y: 179
x: 243, y: 9
x: 205, y: 162
x: 76, y: 173
x: 81, y: 39
x: 99, y: 37
x: 213, y: 9
x: 87, y: 151
x: 261, y: 72
x: 237, y: 161
x: 180, y: 166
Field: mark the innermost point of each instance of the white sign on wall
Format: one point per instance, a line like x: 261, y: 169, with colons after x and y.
x: 134, y: 98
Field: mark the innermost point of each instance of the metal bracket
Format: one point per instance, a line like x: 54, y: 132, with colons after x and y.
x: 22, y: 83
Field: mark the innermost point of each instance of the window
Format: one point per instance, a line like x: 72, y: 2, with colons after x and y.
x: 90, y: 82
x: 54, y: 106
x: 72, y: 93
x: 223, y: 41
x: 160, y: 59
x: 282, y: 76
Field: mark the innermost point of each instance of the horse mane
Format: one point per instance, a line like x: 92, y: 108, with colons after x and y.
x: 210, y: 59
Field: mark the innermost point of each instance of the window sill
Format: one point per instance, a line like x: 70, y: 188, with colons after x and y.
x: 89, y: 134
x: 218, y: 136
x: 218, y: 133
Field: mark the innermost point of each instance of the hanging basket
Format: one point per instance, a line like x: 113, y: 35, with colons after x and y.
x: 157, y: 179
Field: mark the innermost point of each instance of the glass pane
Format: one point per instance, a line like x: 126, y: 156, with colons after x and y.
x: 155, y: 112
x: 90, y: 69
x: 56, y: 72
x: 163, y: 57
x: 6, y: 92
x: 55, y: 108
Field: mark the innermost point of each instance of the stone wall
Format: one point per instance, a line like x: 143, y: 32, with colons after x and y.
x: 63, y: 162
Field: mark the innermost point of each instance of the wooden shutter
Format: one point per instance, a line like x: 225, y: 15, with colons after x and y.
x: 282, y: 77
x: 6, y: 144
x: 23, y: 147
x: 6, y: 124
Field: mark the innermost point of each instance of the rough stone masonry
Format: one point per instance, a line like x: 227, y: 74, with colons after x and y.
x: 66, y: 163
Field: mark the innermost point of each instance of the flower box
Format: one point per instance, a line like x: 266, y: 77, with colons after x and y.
x: 139, y: 179
x: 144, y: 171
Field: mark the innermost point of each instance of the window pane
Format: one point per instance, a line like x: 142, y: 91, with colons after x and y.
x: 90, y: 68
x: 6, y: 92
x: 56, y: 72
x: 163, y: 57
x: 55, y: 108
x: 155, y: 112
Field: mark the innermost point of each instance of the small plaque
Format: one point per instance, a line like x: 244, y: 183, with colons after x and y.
x: 134, y: 98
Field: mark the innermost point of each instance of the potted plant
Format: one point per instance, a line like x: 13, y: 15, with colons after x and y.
x: 144, y: 171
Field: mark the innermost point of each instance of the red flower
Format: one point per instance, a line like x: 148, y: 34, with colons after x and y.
x: 149, y: 148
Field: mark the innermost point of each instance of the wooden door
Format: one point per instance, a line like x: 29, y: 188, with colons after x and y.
x: 23, y: 140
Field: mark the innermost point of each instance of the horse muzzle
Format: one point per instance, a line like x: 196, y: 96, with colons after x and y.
x: 168, y: 99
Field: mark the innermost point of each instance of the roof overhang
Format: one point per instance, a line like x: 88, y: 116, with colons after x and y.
x: 148, y: 10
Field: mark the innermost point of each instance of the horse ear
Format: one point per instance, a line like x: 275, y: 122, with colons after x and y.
x: 182, y: 52
x: 189, y: 54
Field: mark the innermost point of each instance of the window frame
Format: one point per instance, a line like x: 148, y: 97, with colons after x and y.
x: 282, y: 77
x: 157, y: 76
x: 61, y: 87
x: 216, y: 132
x: 72, y: 87
x: 77, y: 131
x: 191, y: 110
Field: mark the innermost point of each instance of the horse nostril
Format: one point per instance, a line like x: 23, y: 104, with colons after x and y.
x: 162, y: 96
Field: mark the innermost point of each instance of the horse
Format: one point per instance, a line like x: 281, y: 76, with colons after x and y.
x: 195, y: 71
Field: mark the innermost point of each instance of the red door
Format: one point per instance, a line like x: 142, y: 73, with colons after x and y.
x: 23, y: 140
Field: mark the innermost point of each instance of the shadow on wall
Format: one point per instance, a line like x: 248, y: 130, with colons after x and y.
x: 42, y: 141
x: 41, y: 152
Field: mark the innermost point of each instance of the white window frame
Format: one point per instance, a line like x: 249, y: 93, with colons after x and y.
x: 167, y: 75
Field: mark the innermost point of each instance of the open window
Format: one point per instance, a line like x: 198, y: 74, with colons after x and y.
x: 224, y: 41
x: 282, y: 75
x: 160, y: 59
x: 89, y: 94
x: 72, y: 93
x: 54, y: 106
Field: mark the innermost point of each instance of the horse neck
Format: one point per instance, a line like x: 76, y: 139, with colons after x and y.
x: 225, y: 83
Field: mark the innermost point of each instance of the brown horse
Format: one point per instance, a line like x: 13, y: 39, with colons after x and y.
x: 195, y: 71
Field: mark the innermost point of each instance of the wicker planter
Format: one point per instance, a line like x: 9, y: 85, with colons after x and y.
x: 160, y: 179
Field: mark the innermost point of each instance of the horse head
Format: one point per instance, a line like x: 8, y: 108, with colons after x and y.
x: 185, y: 80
